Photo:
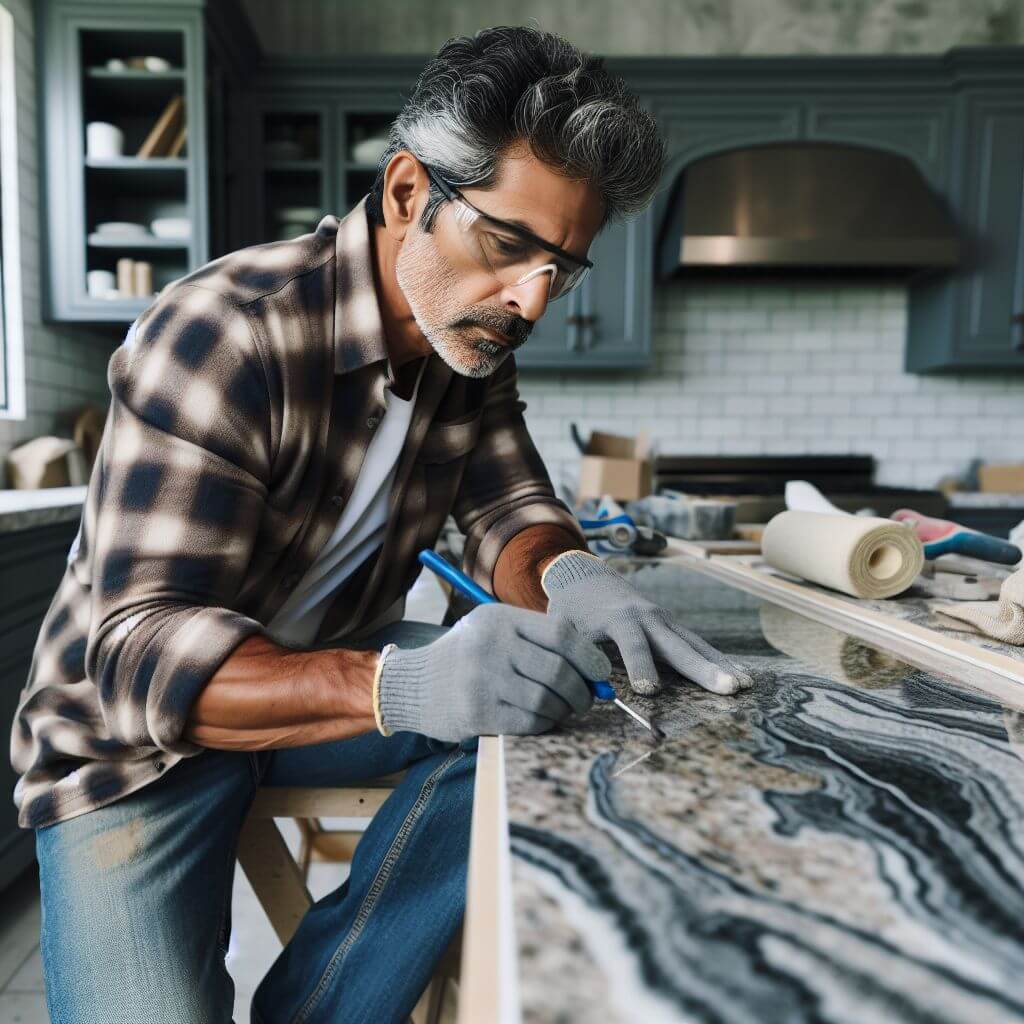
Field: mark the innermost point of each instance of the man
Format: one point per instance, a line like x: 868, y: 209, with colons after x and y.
x: 290, y: 424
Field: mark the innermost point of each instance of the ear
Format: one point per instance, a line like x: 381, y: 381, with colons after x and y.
x: 406, y: 188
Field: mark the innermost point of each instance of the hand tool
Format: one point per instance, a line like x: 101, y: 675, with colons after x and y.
x: 941, y: 537
x: 618, y: 531
x: 601, y: 688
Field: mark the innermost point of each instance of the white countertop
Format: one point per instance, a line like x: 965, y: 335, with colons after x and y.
x: 22, y: 510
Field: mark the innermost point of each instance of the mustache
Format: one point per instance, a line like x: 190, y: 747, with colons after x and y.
x: 516, y: 333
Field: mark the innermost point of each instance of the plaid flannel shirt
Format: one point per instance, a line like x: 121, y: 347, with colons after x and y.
x: 242, y: 403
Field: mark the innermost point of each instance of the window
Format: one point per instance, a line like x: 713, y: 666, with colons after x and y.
x: 12, y: 354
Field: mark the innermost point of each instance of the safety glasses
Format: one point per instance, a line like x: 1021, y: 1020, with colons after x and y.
x: 510, y: 253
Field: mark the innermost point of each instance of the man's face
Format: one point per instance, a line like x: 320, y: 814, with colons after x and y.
x: 458, y: 305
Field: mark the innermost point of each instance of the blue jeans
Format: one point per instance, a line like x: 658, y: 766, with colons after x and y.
x: 136, y: 895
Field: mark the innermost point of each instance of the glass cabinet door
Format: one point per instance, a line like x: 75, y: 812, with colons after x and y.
x: 296, y: 176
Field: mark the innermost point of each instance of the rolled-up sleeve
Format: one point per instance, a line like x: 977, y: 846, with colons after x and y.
x: 505, y: 487
x: 182, y: 475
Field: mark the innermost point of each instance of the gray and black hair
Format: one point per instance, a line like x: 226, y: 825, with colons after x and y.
x: 507, y: 86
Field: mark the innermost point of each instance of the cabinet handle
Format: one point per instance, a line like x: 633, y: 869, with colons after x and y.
x: 580, y: 320
x: 1018, y: 320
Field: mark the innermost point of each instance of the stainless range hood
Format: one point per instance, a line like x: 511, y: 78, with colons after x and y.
x: 805, y: 205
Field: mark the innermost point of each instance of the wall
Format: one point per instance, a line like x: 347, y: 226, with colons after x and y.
x: 681, y: 27
x: 785, y: 365
x: 65, y: 367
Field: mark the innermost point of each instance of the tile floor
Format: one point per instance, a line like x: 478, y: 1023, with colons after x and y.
x: 254, y: 946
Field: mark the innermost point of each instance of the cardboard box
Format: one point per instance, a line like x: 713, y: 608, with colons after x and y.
x: 1005, y: 479
x: 615, y: 465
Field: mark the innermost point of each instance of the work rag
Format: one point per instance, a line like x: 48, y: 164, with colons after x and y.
x: 1002, y: 619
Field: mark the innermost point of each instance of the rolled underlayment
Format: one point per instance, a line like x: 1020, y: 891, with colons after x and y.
x: 837, y: 655
x: 863, y: 556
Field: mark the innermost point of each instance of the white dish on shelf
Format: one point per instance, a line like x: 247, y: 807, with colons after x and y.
x: 121, y: 229
x: 148, y: 64
x: 171, y: 227
x: 369, y: 151
x: 103, y: 141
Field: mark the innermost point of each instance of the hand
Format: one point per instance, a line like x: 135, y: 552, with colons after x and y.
x: 599, y: 602
x: 498, y: 670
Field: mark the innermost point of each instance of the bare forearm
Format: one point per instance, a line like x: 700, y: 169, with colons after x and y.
x: 521, y: 562
x: 265, y: 696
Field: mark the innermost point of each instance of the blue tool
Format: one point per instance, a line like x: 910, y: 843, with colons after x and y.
x: 601, y: 688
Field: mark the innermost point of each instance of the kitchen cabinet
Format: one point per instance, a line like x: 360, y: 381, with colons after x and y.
x: 86, y: 190
x: 32, y: 562
x: 605, y: 323
x: 297, y: 130
x: 977, y: 314
x: 340, y: 107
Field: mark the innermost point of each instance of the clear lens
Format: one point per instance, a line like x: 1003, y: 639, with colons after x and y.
x: 510, y: 257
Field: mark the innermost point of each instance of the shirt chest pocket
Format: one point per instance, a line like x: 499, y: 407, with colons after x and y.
x: 448, y: 440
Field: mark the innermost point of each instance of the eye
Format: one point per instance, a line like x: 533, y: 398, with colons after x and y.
x: 507, y: 246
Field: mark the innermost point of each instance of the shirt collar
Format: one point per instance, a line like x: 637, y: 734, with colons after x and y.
x: 358, y: 328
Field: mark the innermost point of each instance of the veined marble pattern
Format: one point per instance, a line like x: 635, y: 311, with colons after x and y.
x: 845, y: 842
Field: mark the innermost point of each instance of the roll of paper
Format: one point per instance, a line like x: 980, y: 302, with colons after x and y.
x: 863, y: 556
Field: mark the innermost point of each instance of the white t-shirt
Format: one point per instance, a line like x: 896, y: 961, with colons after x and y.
x: 359, y: 530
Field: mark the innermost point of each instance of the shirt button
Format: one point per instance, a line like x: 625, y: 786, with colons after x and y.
x: 373, y: 420
x: 291, y: 579
x: 337, y: 501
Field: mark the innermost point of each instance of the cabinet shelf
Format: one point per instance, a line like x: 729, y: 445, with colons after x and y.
x: 137, y: 163
x: 78, y: 37
x: 133, y: 74
x: 127, y: 92
x: 109, y: 242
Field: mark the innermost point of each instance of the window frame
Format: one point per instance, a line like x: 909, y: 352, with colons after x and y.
x: 12, y: 406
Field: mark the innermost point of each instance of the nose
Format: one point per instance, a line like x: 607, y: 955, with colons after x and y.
x: 529, y: 298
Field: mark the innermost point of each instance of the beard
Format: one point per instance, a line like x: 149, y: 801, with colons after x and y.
x: 428, y: 281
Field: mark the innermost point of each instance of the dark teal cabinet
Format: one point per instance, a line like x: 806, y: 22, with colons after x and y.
x: 85, y: 191
x: 32, y: 562
x: 329, y: 110
x: 605, y: 323
x: 977, y: 315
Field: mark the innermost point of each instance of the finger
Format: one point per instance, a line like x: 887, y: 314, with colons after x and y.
x: 742, y: 677
x: 637, y: 657
x: 559, y: 676
x: 691, y: 664
x: 545, y: 697
x: 560, y: 636
x: 517, y: 721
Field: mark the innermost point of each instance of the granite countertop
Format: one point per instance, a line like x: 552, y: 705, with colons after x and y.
x: 22, y: 510
x: 844, y: 842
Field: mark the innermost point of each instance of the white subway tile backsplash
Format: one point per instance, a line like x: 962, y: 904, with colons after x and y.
x: 792, y: 366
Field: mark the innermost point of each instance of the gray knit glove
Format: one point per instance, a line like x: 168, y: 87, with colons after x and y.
x: 498, y: 670
x: 599, y: 602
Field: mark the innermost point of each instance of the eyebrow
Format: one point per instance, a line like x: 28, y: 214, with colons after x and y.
x: 516, y: 222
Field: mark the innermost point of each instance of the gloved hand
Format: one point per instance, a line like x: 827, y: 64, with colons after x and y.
x: 599, y: 602
x: 499, y: 669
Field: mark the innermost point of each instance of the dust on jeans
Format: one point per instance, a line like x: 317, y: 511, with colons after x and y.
x: 117, y: 845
